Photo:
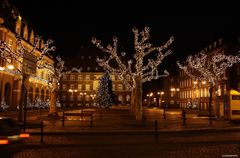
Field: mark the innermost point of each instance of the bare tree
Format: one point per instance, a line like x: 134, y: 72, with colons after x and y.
x: 18, y: 56
x: 58, y: 70
x: 210, y: 68
x: 136, y: 70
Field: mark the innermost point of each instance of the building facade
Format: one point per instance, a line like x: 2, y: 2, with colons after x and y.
x: 195, y: 94
x: 12, y: 25
x: 79, y: 89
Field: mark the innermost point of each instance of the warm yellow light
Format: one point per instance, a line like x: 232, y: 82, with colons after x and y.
x: 11, y: 67
x: 172, y: 89
x: 2, y: 68
x: 70, y: 90
x: 151, y: 94
x: 75, y: 90
x: 203, y: 82
x: 195, y: 82
x: 162, y: 93
x: 158, y: 93
x: 177, y: 89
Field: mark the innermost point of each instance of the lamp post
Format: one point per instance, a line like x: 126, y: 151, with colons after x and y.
x: 83, y: 94
x: 92, y: 98
x: 160, y: 98
x: 72, y: 91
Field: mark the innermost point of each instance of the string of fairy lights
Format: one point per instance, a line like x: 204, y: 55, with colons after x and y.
x: 143, y: 48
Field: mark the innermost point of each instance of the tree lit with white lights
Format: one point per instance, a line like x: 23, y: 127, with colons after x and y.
x: 136, y: 69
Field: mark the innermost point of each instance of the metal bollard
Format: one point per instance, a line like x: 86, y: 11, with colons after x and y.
x: 184, y: 117
x: 91, y: 123
x: 41, y: 131
x: 156, y: 130
x: 63, y: 119
x: 164, y: 113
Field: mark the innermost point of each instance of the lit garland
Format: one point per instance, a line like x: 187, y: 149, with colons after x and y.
x: 211, y: 68
x: 143, y: 48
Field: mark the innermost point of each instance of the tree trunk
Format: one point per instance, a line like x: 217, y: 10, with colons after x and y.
x: 133, y: 101
x: 210, y: 103
x: 23, y: 99
x: 138, y: 95
x: 53, y: 101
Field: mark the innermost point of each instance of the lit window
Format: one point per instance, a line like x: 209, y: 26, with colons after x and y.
x: 87, y: 77
x: 120, y: 87
x: 128, y: 98
x: 79, y: 97
x: 87, y: 88
x: 87, y: 97
x: 79, y: 86
x: 120, y: 98
x: 72, y: 77
x: 79, y: 77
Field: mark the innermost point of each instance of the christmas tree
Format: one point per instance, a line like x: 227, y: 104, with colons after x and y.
x: 105, y: 96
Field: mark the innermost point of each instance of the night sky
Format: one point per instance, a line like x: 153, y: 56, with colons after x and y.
x: 72, y: 24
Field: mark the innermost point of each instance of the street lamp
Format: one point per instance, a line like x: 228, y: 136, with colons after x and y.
x: 72, y: 91
x: 160, y: 95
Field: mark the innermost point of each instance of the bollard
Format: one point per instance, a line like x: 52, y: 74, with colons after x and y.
x: 63, y: 119
x: 164, y: 113
x: 82, y: 114
x: 91, y: 123
x: 184, y: 117
x: 156, y: 130
x: 41, y: 131
x: 101, y: 114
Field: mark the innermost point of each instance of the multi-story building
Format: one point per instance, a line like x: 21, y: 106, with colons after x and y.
x: 11, y: 25
x: 171, y: 88
x: 196, y: 94
x: 79, y: 89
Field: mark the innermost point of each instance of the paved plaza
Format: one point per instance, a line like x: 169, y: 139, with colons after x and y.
x: 118, y: 134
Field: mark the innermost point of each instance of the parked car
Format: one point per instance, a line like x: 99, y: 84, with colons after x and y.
x: 12, y: 139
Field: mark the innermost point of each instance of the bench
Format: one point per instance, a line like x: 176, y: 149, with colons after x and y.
x: 82, y: 114
x: 184, y: 117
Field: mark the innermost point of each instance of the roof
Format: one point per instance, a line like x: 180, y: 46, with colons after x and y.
x: 234, y: 92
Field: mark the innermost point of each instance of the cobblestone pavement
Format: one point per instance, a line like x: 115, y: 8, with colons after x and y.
x: 174, y: 145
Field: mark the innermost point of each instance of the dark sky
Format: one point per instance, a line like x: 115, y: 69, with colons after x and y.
x: 72, y: 24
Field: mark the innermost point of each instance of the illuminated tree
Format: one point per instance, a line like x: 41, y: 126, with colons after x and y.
x: 18, y: 56
x: 210, y: 68
x: 58, y: 70
x: 136, y: 70
x: 105, y: 97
